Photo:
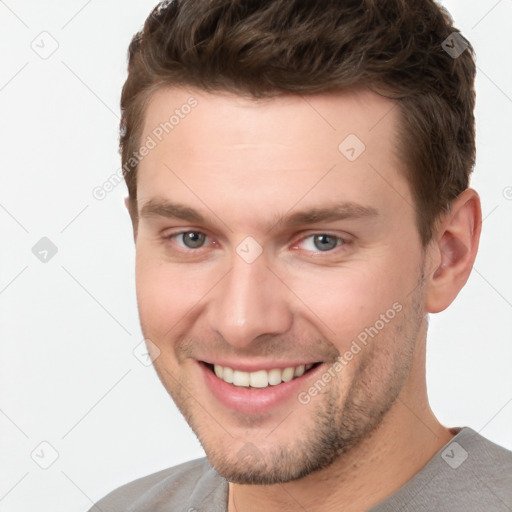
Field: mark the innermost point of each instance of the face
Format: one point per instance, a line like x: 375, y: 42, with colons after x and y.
x: 278, y: 270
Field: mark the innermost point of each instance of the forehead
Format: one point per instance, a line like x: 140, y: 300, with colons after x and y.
x: 223, y: 119
x: 257, y: 155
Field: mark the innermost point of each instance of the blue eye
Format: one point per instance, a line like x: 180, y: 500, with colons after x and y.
x: 316, y: 243
x: 190, y: 239
x: 322, y: 242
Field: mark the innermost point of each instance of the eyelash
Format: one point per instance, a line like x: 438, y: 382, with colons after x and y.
x: 340, y: 242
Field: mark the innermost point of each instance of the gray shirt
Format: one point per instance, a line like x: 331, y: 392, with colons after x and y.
x: 469, y: 474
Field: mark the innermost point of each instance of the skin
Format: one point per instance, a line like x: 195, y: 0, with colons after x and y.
x: 242, y: 164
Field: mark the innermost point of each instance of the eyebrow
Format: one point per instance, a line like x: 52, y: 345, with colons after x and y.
x: 163, y: 208
x: 338, y: 211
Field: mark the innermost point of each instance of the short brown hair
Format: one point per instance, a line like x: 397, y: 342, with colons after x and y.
x: 264, y: 48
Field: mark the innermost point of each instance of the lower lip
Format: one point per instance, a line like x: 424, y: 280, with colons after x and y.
x: 255, y: 400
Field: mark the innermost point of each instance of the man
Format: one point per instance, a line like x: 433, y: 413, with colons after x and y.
x: 298, y: 186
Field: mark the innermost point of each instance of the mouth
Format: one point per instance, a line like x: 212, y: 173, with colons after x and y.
x: 261, y: 390
x: 260, y: 379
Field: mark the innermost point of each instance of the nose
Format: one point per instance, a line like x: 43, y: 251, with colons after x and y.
x: 249, y: 302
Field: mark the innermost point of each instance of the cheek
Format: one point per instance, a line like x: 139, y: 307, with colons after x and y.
x: 344, y: 302
x: 167, y: 293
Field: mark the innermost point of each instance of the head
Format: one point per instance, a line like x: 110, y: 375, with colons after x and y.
x: 298, y: 186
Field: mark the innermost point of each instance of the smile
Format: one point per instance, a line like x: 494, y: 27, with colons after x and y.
x: 261, y: 378
x: 257, y: 387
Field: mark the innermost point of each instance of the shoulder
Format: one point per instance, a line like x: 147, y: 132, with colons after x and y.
x: 193, y: 482
x: 482, y: 447
x: 470, y: 473
x: 489, y: 464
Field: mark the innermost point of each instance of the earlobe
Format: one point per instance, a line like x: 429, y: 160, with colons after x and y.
x: 455, y: 246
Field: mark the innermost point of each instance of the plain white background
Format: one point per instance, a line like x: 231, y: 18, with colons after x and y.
x: 68, y: 376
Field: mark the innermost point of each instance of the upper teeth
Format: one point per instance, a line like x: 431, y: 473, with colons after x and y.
x: 261, y: 378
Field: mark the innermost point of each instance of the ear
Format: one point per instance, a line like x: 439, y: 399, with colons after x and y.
x: 133, y: 217
x: 453, y: 251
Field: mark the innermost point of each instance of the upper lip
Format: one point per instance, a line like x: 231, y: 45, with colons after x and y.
x: 251, y: 366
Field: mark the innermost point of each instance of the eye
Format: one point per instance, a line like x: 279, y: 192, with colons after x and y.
x: 322, y: 242
x: 189, y: 239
